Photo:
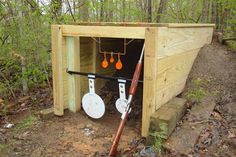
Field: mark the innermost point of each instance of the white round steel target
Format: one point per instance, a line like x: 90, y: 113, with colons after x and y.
x: 121, y: 105
x: 93, y: 105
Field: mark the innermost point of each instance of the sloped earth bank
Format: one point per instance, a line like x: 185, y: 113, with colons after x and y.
x: 77, y: 135
x: 214, y: 72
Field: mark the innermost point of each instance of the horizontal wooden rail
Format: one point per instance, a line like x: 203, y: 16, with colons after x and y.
x: 104, y: 31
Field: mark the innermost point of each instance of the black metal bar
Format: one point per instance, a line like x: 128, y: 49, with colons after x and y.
x: 100, y: 76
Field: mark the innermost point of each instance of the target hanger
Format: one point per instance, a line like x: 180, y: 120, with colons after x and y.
x: 112, y: 58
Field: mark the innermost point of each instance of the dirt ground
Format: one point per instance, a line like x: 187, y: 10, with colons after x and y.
x: 74, y: 134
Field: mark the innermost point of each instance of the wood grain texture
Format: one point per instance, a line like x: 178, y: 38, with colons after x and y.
x: 172, y: 75
x: 73, y: 62
x: 58, y: 47
x: 104, y: 31
x: 86, y: 62
x: 150, y: 73
x: 179, y: 40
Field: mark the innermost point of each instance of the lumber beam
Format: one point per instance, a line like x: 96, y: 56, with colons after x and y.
x: 104, y: 31
x: 73, y: 61
x: 58, y: 48
x: 150, y: 73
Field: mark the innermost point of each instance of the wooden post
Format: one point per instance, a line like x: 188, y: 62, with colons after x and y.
x: 58, y: 48
x: 73, y: 62
x: 150, y: 74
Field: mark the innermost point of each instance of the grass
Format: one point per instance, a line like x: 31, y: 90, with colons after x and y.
x: 232, y: 45
x: 197, y: 93
x: 26, y: 123
x: 2, y: 147
x: 159, y: 138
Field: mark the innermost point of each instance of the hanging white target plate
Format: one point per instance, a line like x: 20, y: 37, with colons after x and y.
x: 92, y: 103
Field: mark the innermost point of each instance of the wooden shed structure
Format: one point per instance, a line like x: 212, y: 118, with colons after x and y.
x: 170, y: 50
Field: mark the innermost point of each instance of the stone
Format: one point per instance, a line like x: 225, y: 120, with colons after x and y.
x: 183, y: 140
x: 168, y: 116
x: 46, y: 113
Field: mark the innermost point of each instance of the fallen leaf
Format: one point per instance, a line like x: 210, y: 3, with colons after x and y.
x: 1, y: 101
x: 217, y: 115
x: 231, y: 134
x: 24, y: 99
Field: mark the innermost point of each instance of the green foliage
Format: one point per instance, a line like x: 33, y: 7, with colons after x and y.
x: 25, y: 39
x: 232, y: 45
x: 197, y: 93
x: 3, y: 147
x: 159, y: 138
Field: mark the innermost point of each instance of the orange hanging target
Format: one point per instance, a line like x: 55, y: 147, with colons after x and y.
x: 119, y: 63
x: 105, y: 62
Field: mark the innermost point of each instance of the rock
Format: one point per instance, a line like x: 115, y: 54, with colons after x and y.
x: 167, y: 116
x: 148, y: 152
x: 184, y: 139
x: 88, y: 125
x: 8, y: 126
x: 46, y: 114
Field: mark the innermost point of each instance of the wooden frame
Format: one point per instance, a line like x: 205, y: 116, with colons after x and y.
x: 169, y: 54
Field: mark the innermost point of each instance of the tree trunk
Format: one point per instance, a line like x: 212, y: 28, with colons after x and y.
x: 83, y: 10
x: 102, y: 11
x: 161, y: 10
x: 149, y: 10
x: 56, y: 8
x: 123, y: 8
x: 213, y: 12
x: 205, y: 11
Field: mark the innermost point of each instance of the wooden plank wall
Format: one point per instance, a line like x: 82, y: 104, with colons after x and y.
x: 176, y: 49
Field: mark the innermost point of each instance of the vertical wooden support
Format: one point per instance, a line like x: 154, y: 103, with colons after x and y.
x: 58, y: 48
x: 73, y: 62
x: 150, y: 74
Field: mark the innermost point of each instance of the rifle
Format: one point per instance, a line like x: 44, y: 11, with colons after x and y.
x: 124, y: 116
